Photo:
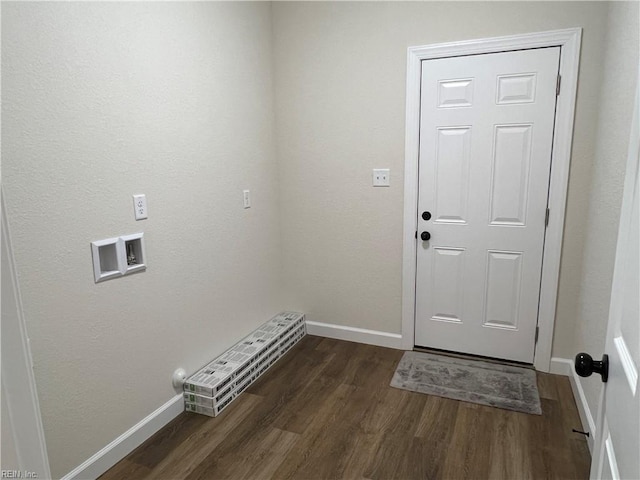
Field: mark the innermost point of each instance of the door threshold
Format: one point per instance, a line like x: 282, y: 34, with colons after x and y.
x: 467, y: 356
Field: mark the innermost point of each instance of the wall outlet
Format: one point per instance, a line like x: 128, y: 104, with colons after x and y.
x: 140, y: 206
x: 246, y: 198
x: 380, y: 177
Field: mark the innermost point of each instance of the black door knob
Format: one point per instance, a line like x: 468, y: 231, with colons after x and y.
x: 585, y: 365
x: 425, y: 236
x: 426, y: 215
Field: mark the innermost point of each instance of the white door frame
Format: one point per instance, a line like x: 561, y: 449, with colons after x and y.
x: 569, y: 41
x: 18, y: 381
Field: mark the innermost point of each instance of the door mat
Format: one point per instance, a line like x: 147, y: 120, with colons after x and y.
x: 495, y: 385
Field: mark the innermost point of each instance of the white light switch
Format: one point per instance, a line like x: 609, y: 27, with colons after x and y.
x: 380, y: 177
x: 140, y: 206
x: 246, y: 198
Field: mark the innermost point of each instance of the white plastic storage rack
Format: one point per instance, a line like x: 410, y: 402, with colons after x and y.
x: 215, y: 386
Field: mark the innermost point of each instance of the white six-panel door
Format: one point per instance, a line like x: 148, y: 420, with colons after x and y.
x: 486, y: 132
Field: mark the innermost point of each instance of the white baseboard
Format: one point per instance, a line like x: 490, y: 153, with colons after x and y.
x: 128, y: 441
x: 564, y: 366
x: 358, y: 335
x: 561, y: 366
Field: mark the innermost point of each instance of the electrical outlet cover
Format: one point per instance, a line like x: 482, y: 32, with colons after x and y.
x: 380, y: 177
x: 140, y: 206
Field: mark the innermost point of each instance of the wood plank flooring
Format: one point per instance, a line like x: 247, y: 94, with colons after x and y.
x: 326, y: 411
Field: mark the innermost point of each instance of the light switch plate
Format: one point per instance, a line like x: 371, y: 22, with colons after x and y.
x: 380, y: 177
x: 140, y: 206
x: 246, y: 198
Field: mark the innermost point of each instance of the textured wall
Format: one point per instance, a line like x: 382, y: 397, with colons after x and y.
x: 340, y: 72
x: 104, y: 100
x: 615, y: 110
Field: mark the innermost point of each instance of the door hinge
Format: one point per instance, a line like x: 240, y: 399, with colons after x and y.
x: 558, y: 84
x: 546, y: 218
x: 416, y: 236
x: 537, y: 332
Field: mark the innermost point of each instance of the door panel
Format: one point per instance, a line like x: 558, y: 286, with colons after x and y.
x: 448, y: 268
x: 520, y: 88
x: 452, y: 159
x: 486, y: 131
x: 504, y: 278
x: 510, y: 180
x: 455, y: 93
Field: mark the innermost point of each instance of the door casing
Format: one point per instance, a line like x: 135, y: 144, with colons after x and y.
x: 19, y: 393
x: 569, y: 40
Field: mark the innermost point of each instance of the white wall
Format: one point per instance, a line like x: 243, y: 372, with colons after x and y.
x: 104, y: 100
x: 620, y: 67
x: 340, y: 70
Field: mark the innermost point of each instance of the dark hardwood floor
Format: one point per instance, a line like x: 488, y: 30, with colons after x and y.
x: 326, y: 410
